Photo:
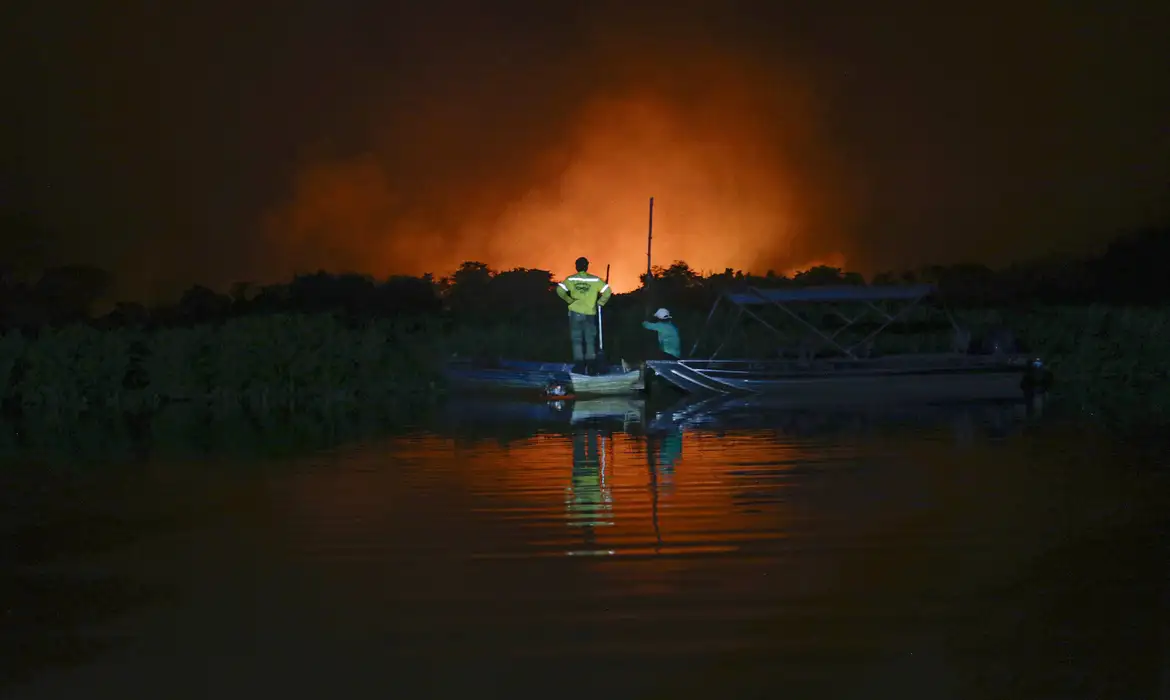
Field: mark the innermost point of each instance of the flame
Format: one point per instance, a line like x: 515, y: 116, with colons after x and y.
x: 717, y: 165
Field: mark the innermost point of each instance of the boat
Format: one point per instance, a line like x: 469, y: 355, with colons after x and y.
x: 830, y: 371
x: 554, y: 379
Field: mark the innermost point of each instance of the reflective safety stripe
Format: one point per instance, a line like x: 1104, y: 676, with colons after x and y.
x: 562, y: 286
x: 583, y: 279
x: 605, y: 288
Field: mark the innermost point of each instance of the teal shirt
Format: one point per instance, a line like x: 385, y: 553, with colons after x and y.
x: 668, y: 339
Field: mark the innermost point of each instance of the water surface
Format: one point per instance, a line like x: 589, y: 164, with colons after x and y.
x: 593, y: 550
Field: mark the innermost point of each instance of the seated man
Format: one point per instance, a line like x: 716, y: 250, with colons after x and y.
x: 669, y: 343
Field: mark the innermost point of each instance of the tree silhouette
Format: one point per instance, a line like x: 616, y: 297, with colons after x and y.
x: 202, y: 305
x: 68, y: 293
x: 468, y: 294
x: 1129, y: 272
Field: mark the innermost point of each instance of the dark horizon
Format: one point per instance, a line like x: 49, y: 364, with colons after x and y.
x: 222, y: 143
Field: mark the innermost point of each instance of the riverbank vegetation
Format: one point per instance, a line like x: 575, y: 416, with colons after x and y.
x: 349, y: 339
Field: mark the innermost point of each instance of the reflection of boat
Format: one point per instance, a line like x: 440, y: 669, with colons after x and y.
x: 516, y: 375
x: 616, y: 407
x: 849, y: 372
x: 484, y: 411
x: 776, y: 413
x: 479, y: 410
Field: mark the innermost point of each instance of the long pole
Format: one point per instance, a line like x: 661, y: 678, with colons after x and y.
x: 649, y: 269
x: 600, y: 330
x: 651, y: 462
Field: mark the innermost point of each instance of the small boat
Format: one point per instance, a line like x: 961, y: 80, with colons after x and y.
x: 555, y: 379
x: 535, y: 412
x: 833, y: 372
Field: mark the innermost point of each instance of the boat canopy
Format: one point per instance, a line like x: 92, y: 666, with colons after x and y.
x: 869, y: 296
x: 833, y: 293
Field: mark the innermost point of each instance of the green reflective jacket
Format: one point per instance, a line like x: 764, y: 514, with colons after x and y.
x: 584, y: 292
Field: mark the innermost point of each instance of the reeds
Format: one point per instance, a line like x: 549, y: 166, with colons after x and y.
x: 1112, y: 360
x: 1100, y: 356
x: 280, y: 361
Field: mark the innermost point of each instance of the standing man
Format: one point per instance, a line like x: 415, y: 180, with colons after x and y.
x: 584, y: 292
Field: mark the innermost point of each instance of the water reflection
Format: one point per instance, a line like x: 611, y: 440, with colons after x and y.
x: 950, y: 552
x: 188, y: 431
x: 963, y: 420
x: 590, y: 499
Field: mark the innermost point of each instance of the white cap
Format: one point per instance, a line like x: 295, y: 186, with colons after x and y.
x: 662, y: 313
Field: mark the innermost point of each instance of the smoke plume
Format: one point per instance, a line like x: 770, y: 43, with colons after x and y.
x: 515, y: 176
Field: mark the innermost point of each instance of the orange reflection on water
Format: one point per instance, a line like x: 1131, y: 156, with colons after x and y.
x: 614, y: 496
x: 653, y: 508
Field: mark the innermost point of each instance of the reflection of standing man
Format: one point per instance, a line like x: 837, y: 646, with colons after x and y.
x: 589, y: 500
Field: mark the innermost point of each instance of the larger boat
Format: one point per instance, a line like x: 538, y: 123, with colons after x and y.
x: 818, y: 365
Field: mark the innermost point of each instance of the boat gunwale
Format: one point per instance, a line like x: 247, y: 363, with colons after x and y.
x: 698, y: 380
x: 894, y: 365
x: 861, y: 373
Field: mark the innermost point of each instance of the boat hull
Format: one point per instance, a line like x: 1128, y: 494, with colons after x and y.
x: 926, y: 379
x: 511, y: 375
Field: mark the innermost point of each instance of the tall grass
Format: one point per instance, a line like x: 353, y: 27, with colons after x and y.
x: 1101, y: 356
x: 1105, y: 359
x: 262, y: 362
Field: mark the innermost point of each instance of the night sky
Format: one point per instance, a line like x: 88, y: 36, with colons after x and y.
x: 216, y: 141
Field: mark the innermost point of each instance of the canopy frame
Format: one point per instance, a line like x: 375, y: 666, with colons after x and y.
x: 830, y: 296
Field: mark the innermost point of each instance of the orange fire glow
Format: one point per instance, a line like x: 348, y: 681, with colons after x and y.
x: 729, y: 166
x: 836, y: 260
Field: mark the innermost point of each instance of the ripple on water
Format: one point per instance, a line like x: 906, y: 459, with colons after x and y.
x: 687, y: 561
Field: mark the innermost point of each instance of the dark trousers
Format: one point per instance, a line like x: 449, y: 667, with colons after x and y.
x: 583, y: 331
x: 658, y: 353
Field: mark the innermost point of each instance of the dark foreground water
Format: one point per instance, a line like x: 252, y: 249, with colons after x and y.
x: 496, y: 549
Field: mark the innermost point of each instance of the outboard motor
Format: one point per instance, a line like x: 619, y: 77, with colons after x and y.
x: 556, y: 390
x: 999, y: 341
x: 558, y: 394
